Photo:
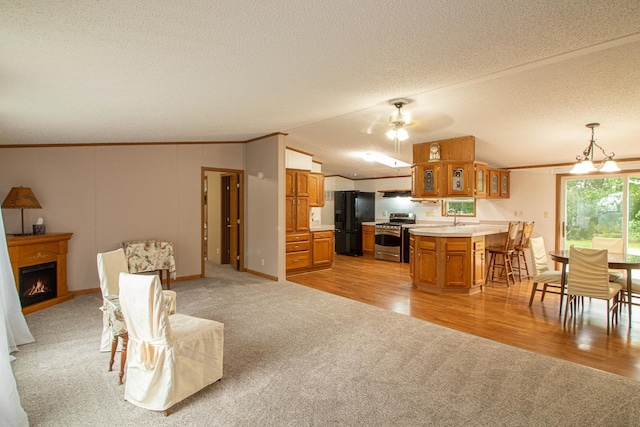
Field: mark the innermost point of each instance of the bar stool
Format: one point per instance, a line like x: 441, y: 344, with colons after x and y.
x: 521, y: 248
x: 505, y: 251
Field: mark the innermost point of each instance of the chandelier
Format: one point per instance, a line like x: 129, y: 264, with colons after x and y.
x: 585, y: 160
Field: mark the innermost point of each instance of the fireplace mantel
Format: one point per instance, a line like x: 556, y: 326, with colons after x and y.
x: 36, y: 249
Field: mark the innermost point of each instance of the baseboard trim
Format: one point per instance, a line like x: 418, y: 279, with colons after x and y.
x: 266, y: 276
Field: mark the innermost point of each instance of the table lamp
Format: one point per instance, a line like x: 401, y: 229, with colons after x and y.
x: 21, y: 198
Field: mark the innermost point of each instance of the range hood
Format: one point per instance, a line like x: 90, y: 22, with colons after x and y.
x: 395, y: 193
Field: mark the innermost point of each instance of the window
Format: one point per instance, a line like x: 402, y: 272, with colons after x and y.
x: 462, y: 207
x: 601, y: 206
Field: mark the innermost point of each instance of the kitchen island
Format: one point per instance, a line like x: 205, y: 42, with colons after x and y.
x: 450, y: 259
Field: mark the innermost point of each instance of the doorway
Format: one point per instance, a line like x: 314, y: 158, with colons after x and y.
x: 222, y: 219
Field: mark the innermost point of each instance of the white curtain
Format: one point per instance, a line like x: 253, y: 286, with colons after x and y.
x: 13, y: 332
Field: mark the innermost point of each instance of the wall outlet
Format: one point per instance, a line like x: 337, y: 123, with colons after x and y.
x: 546, y: 214
x: 262, y: 261
x: 520, y: 214
x: 218, y: 251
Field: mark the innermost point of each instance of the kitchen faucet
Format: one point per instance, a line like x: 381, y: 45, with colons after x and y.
x: 455, y: 216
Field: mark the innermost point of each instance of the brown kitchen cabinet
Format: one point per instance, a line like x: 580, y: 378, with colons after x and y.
x: 494, y: 182
x: 460, y: 179
x: 425, y: 275
x: 316, y: 189
x: 447, y: 264
x: 505, y: 183
x: 480, y: 180
x: 322, y: 249
x: 297, y: 201
x: 298, y: 251
x: 425, y: 180
x: 368, y: 239
x: 479, y: 270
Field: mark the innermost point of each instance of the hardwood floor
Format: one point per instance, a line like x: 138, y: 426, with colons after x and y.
x: 498, y: 313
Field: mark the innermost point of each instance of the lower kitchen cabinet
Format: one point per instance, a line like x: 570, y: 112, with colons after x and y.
x: 323, y: 248
x: 309, y: 251
x: 368, y: 239
x: 447, y: 264
x: 298, y: 251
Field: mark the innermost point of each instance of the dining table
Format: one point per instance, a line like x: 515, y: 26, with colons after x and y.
x: 624, y: 261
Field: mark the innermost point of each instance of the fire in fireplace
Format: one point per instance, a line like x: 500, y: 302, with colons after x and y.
x: 37, y: 283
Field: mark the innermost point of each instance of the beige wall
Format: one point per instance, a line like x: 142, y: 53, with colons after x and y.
x: 264, y: 239
x: 109, y: 194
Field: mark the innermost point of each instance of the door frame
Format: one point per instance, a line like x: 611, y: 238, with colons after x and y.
x: 241, y: 228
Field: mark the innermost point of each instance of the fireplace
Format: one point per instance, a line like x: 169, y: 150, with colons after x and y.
x: 37, y: 283
x: 48, y: 250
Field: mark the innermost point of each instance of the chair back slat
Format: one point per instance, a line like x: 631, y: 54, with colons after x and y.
x: 512, y: 235
x: 525, y: 236
x: 588, y: 273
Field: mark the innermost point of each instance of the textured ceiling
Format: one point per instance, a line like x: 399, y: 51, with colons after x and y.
x: 523, y: 77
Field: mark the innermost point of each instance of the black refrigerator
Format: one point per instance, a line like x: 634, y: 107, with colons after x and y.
x: 351, y: 209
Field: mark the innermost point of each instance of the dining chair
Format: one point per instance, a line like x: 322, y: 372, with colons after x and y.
x: 114, y: 328
x: 520, y: 249
x: 614, y: 245
x: 541, y: 272
x: 588, y: 276
x: 503, y: 252
x: 169, y: 357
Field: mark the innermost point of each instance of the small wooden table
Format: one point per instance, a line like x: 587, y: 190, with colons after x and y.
x: 616, y: 261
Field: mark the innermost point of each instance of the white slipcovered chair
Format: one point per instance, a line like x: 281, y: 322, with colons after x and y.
x: 614, y: 245
x: 541, y: 272
x: 589, y: 277
x: 169, y: 358
x: 110, y: 265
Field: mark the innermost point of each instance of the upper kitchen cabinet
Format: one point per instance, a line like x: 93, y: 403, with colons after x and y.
x: 297, y: 183
x: 425, y: 180
x: 499, y: 184
x: 460, y: 179
x: 494, y: 182
x: 480, y: 178
x: 447, y: 168
x: 297, y: 200
x: 505, y: 184
x: 316, y: 189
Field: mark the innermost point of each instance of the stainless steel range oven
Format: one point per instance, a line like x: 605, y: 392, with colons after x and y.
x: 389, y: 236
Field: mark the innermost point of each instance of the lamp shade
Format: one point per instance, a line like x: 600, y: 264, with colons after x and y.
x: 21, y: 198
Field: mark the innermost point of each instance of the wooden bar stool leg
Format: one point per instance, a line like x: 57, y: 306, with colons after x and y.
x: 114, y: 346
x: 123, y: 356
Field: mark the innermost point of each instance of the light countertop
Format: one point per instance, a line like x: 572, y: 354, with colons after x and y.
x: 457, y: 231
x: 322, y: 227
